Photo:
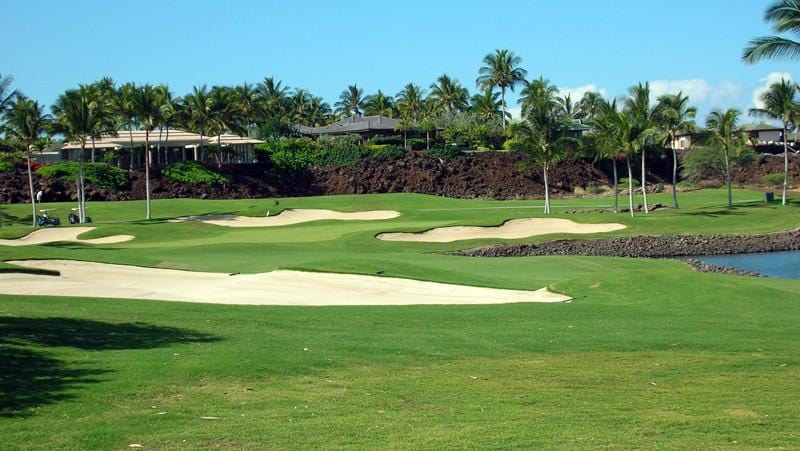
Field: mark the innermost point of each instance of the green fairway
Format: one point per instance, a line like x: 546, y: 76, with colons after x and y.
x: 649, y: 353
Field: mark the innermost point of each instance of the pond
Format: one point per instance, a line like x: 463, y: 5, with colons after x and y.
x: 771, y: 264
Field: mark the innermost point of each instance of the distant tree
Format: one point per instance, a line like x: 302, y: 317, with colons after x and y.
x: 780, y: 103
x: 589, y: 105
x: 7, y: 96
x: 26, y: 123
x: 351, y: 101
x: 251, y: 109
x: 448, y: 95
x: 125, y: 110
x: 784, y: 15
x: 487, y: 106
x: 643, y: 132
x: 409, y: 100
x: 673, y: 114
x: 501, y: 70
x: 540, y: 136
x: 607, y: 140
x: 379, y: 104
x: 723, y: 132
x: 198, y: 115
x: 147, y: 104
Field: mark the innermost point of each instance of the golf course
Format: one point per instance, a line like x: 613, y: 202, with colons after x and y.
x: 644, y: 353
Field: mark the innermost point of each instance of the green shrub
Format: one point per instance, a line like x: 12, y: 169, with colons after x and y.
x: 193, y: 173
x: 445, y: 153
x: 775, y: 180
x: 707, y: 162
x: 99, y: 174
x: 387, y: 140
x: 7, y: 167
x: 416, y: 143
x: 388, y: 153
x: 300, y: 153
x: 291, y: 154
x: 623, y: 183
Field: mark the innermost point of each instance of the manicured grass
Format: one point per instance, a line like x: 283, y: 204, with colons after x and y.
x: 650, y: 354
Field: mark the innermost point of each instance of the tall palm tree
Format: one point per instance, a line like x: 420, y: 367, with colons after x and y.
x: 198, y: 115
x: 168, y: 115
x: 227, y: 115
x: 487, y: 106
x: 780, y: 103
x: 673, y: 114
x: 541, y: 133
x: 409, y: 100
x: 379, y: 104
x: 76, y: 116
x: 127, y: 113
x: 147, y: 105
x: 274, y: 95
x: 249, y: 105
x: 449, y: 95
x: 643, y: 131
x: 722, y: 131
x: 7, y: 95
x: 26, y: 123
x: 317, y: 111
x: 607, y: 140
x: 785, y: 18
x: 570, y: 109
x: 104, y: 94
x: 590, y: 104
x: 501, y: 70
x: 351, y: 101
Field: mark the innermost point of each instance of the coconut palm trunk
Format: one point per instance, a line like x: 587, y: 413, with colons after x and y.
x: 546, y: 191
x: 616, y: 185
x: 147, y: 169
x: 630, y: 186
x: 158, y: 147
x: 728, y: 177
x: 503, y: 101
x: 130, y: 134
x: 674, y: 175
x: 30, y: 184
x: 785, y: 164
x: 644, y: 182
x: 81, y: 186
x: 166, y: 145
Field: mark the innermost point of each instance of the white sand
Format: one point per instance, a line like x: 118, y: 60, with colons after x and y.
x: 56, y: 234
x: 290, y: 216
x: 513, y: 229
x: 89, y: 279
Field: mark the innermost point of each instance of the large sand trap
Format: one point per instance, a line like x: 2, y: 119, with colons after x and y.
x: 89, y: 279
x: 513, y: 229
x: 290, y: 216
x: 44, y: 236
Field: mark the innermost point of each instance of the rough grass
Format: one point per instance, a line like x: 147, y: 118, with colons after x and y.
x: 650, y: 354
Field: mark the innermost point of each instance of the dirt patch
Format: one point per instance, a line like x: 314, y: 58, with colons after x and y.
x: 513, y: 229
x: 88, y: 279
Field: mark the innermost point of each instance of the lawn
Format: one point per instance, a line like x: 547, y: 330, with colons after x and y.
x: 649, y: 354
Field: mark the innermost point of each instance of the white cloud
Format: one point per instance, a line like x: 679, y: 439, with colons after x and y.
x: 516, y: 113
x: 700, y: 91
x: 577, y: 93
x: 765, y: 83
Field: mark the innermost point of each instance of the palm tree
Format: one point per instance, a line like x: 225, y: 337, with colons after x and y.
x: 409, y: 100
x: 643, y: 131
x: 351, y: 101
x: 785, y: 18
x: 7, y: 95
x: 126, y: 111
x: 104, y: 95
x: 722, y: 131
x: 76, y: 116
x: 198, y: 115
x: 780, y: 103
x: 541, y: 133
x: 449, y: 96
x: 249, y: 105
x: 317, y: 111
x: 673, y: 114
x: 227, y: 115
x: 606, y: 139
x: 147, y: 104
x: 168, y: 115
x: 501, y: 70
x: 379, y: 104
x: 273, y: 95
x: 590, y: 104
x: 26, y: 123
x: 487, y: 106
x: 570, y: 109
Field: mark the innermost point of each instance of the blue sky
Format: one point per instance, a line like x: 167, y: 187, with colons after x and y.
x: 695, y: 46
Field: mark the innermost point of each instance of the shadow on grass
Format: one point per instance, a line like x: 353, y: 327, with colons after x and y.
x: 30, y: 378
x: 717, y: 213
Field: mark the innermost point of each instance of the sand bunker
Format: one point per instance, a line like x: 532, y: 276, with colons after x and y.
x: 89, y: 279
x: 44, y: 236
x: 289, y: 217
x: 513, y: 229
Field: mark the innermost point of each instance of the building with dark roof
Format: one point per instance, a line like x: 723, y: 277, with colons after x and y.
x: 366, y: 126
